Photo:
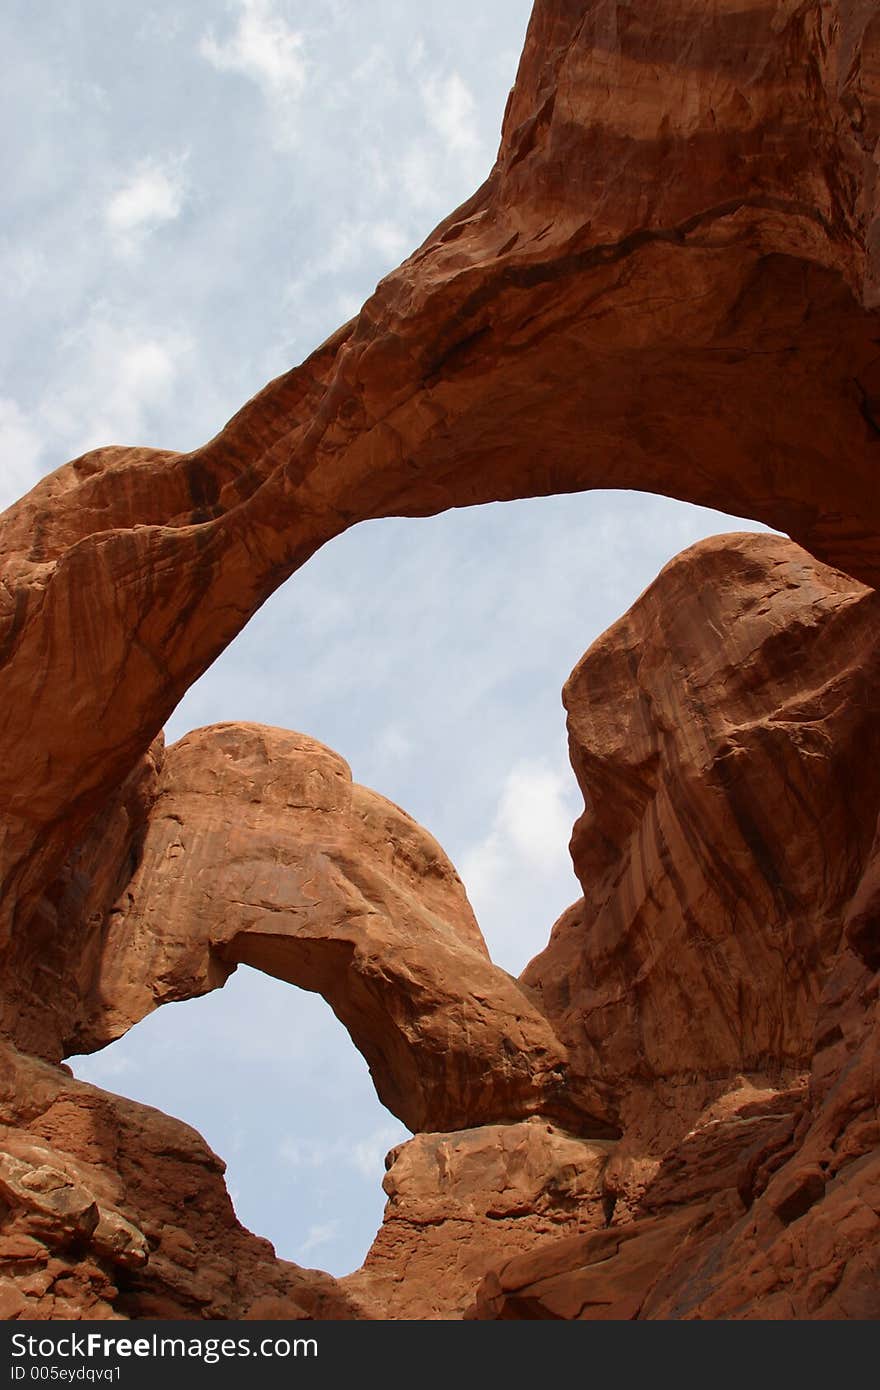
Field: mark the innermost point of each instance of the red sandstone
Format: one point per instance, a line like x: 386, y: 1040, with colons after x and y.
x: 669, y: 281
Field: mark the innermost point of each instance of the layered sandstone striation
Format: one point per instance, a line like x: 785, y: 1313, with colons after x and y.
x: 669, y: 281
x: 260, y: 850
x: 110, y: 1209
x: 666, y: 282
x: 460, y: 1203
x: 725, y: 738
x: 724, y: 734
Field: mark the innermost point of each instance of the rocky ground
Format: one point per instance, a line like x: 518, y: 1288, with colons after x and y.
x: 669, y: 281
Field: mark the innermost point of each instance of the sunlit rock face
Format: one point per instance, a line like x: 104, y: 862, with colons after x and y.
x: 669, y: 282
x: 460, y: 1203
x: 260, y: 849
x: 111, y: 1210
x: 726, y: 741
x: 718, y: 973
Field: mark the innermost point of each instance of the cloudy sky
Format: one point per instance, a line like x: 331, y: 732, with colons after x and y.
x: 198, y: 192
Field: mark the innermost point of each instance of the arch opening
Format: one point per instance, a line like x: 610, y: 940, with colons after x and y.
x: 506, y: 822
x: 265, y: 1073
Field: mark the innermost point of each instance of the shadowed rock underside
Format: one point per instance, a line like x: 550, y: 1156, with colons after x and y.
x: 669, y: 281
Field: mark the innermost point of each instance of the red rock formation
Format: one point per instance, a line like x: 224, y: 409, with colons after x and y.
x: 259, y: 849
x: 49, y: 969
x: 809, y: 1246
x: 725, y: 738
x: 705, y: 991
x: 724, y: 734
x: 669, y: 281
x: 532, y: 345
x: 110, y: 1209
x: 695, y: 987
x: 649, y: 1260
x: 790, y: 1229
x: 458, y: 1203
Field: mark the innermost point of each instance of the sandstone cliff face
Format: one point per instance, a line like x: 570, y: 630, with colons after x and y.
x: 532, y: 345
x: 259, y: 849
x: 728, y: 862
x: 709, y: 1002
x: 725, y: 738
x: 460, y: 1203
x: 110, y: 1209
x: 669, y: 281
x: 782, y: 1222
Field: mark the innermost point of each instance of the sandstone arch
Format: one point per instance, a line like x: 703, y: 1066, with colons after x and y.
x: 532, y: 345
x: 669, y: 281
x: 259, y: 849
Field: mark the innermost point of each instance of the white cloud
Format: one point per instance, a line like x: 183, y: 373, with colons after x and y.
x: 161, y: 25
x: 353, y: 246
x: 347, y: 306
x: 375, y: 68
x: 483, y: 870
x: 20, y: 449
x: 366, y: 1155
x: 418, y: 176
x: 534, y: 813
x: 266, y: 49
x: 307, y: 1153
x: 320, y: 1234
x: 118, y: 380
x: 104, y: 1068
x: 393, y: 746
x: 387, y: 238
x: 22, y: 267
x: 434, y: 165
x: 417, y: 55
x: 119, y: 376
x: 522, y: 864
x: 451, y: 111
x: 353, y: 243
x: 532, y: 825
x: 151, y: 196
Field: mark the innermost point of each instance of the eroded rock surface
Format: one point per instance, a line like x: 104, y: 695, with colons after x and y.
x: 724, y: 734
x: 788, y: 1226
x: 260, y: 849
x: 458, y: 1203
x: 714, y: 992
x: 669, y: 281
x: 725, y: 737
x: 109, y: 1209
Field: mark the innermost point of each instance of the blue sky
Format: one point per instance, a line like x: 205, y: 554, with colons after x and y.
x: 196, y: 194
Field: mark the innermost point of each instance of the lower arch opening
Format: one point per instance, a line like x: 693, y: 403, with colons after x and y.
x: 260, y: 1070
